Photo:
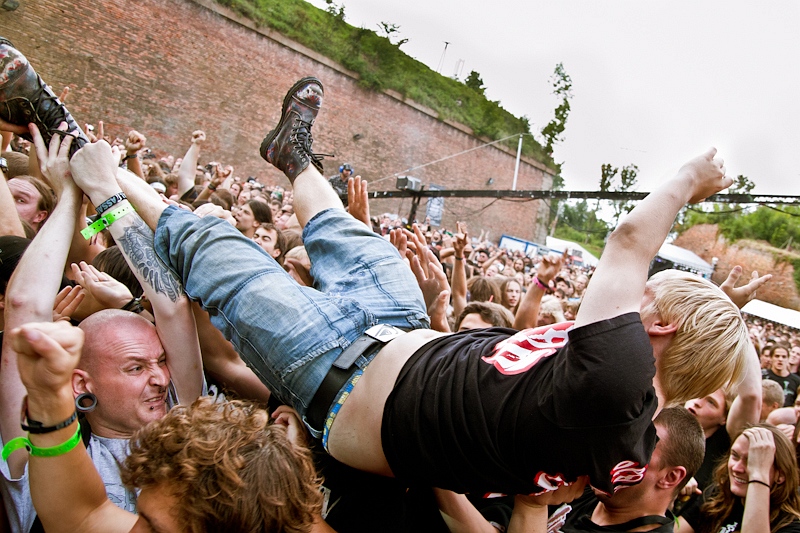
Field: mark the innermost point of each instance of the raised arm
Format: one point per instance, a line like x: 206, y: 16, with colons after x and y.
x: 134, y: 143
x: 32, y: 289
x: 746, y: 407
x: 189, y: 163
x: 48, y: 353
x: 460, y: 268
x: 10, y: 223
x: 619, y: 281
x: 528, y: 313
x: 9, y: 220
x: 94, y: 168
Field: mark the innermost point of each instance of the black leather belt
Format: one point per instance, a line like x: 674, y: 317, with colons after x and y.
x: 343, y: 368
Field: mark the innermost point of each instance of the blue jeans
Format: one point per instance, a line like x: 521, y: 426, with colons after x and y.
x: 290, y: 335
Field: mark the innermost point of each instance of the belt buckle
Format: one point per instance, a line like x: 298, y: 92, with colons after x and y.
x: 384, y: 332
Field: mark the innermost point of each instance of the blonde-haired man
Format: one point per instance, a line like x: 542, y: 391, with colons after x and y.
x: 479, y: 411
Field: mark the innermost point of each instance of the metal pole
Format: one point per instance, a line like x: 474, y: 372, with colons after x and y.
x: 516, y: 166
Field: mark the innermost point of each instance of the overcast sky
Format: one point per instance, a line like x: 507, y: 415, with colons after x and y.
x: 654, y: 83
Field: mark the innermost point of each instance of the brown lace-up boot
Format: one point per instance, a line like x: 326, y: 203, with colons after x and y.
x: 288, y: 146
x: 25, y: 98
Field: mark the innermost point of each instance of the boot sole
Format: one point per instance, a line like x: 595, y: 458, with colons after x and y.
x: 286, y: 101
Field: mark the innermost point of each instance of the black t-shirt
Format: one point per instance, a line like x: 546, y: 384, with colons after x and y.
x: 717, y: 446
x: 576, y: 517
x: 702, y: 524
x: 789, y: 384
x: 496, y: 410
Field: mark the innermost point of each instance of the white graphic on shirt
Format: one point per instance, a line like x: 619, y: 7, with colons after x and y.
x: 549, y: 482
x: 520, y: 352
x: 558, y: 518
x: 627, y: 473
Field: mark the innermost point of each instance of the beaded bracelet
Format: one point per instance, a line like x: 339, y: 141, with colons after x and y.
x: 106, y: 220
x: 52, y: 451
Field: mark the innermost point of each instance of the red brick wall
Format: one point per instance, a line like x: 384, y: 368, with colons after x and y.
x: 168, y: 67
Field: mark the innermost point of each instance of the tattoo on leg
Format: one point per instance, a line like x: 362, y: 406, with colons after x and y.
x: 137, y: 242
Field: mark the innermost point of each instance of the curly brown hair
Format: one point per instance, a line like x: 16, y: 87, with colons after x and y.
x: 229, y: 469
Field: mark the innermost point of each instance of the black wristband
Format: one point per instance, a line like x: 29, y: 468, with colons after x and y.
x: 211, y: 187
x: 129, y: 156
x: 111, y: 202
x: 37, y: 428
x: 134, y: 306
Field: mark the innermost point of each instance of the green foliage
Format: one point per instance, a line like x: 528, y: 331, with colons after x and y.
x: 579, y: 223
x: 475, y: 83
x: 626, y: 182
x: 742, y: 185
x: 780, y: 227
x: 562, y: 87
x: 380, y: 65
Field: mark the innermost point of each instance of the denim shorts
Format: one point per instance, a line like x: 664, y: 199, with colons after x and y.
x: 289, y: 335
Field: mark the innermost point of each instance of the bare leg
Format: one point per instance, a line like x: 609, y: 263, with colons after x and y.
x: 313, y: 194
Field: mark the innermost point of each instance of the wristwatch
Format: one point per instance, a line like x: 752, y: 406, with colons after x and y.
x: 4, y: 165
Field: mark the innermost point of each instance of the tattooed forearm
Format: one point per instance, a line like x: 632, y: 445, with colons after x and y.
x: 137, y: 243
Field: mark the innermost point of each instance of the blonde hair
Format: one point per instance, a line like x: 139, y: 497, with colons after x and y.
x: 711, y: 342
x: 551, y: 306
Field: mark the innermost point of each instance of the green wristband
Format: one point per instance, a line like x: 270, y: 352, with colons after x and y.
x: 53, y: 451
x: 106, y: 220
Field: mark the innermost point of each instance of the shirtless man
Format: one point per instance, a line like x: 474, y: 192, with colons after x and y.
x: 482, y: 399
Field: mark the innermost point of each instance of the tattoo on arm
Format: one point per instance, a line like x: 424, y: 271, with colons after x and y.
x: 137, y: 242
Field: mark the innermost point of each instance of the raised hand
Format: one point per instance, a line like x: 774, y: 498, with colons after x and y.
x: 461, y: 241
x: 54, y: 162
x: 67, y: 301
x: 13, y: 128
x: 550, y: 266
x: 214, y: 210
x: 134, y: 142
x: 296, y: 431
x: 102, y: 288
x: 47, y: 353
x: 761, y: 454
x: 198, y: 137
x: 358, y: 202
x: 399, y: 240
x: 741, y: 295
x: 94, y: 169
x: 707, y: 175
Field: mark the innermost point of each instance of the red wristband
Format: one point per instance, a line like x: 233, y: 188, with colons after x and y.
x: 541, y: 285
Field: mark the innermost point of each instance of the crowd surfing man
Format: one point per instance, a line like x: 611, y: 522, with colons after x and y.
x: 481, y: 399
x: 415, y: 397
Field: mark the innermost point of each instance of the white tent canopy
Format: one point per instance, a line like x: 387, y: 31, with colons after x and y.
x: 687, y: 258
x: 560, y: 245
x: 773, y: 313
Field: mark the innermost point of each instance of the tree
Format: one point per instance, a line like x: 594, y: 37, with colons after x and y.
x: 392, y: 30
x: 741, y: 185
x: 334, y: 10
x: 475, y: 83
x: 562, y: 87
x: 628, y: 177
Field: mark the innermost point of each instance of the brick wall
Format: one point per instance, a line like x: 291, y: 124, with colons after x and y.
x: 168, y: 67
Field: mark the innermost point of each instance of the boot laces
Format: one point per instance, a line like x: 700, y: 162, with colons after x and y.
x: 43, y: 118
x: 301, y: 132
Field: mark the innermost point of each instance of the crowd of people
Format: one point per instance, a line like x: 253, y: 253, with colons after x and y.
x: 194, y: 351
